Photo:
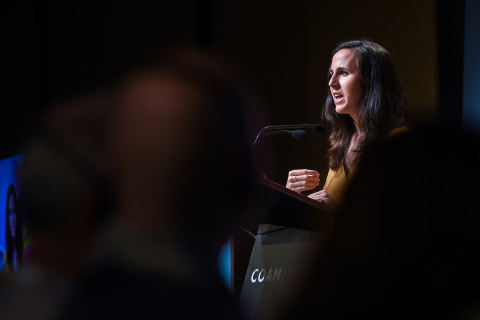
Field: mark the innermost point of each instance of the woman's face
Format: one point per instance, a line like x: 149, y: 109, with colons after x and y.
x: 345, y: 85
x: 12, y: 215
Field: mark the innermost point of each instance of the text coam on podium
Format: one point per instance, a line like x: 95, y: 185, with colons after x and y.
x: 292, y: 229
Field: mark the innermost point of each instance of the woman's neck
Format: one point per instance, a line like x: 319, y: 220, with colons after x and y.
x: 352, y: 150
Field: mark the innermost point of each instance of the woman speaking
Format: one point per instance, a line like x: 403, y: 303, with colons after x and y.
x: 365, y: 105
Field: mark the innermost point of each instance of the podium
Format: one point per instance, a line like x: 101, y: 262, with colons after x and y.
x: 291, y: 228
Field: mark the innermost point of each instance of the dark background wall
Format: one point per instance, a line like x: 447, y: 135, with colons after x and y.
x: 56, y: 49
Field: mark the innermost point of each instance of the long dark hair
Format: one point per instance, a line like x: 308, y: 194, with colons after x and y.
x: 383, y: 105
x: 17, y: 241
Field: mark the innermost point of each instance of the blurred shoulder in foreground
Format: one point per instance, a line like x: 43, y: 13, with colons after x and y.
x: 405, y: 243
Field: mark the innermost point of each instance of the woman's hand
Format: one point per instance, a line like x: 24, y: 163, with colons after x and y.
x: 324, y: 198
x: 302, y: 180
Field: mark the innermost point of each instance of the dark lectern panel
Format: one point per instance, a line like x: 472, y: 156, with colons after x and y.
x: 292, y: 227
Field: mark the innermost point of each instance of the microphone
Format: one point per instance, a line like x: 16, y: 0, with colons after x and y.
x: 316, y: 127
x: 297, y: 134
x: 296, y: 130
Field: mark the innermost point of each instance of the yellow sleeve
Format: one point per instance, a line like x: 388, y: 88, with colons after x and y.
x: 336, y: 183
x: 397, y: 131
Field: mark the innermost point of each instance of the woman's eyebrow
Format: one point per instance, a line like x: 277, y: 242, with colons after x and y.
x: 340, y: 68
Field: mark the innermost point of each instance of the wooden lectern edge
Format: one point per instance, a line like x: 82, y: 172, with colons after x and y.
x: 299, y: 196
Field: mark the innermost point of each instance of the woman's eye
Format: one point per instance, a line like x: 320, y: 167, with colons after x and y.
x: 343, y: 73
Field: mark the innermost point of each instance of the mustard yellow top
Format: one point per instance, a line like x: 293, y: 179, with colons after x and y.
x: 337, y: 180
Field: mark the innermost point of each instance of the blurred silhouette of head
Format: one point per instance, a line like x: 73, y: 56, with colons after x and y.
x: 180, y: 144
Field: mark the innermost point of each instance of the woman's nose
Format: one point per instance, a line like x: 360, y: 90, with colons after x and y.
x: 333, y: 82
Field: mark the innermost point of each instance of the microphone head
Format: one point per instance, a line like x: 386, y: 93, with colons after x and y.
x: 299, y: 134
